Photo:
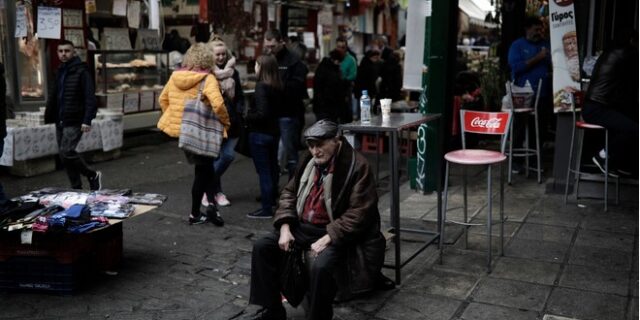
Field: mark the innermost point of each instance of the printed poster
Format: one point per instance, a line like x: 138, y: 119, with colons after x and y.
x: 49, y: 22
x: 133, y: 14
x: 21, y: 21
x: 564, y: 53
x: 72, y: 18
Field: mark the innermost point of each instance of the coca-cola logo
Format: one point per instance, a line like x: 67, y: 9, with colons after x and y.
x: 493, y: 123
x: 563, y: 3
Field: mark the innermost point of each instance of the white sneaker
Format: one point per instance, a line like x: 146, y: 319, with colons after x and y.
x: 222, y: 200
x: 205, y: 201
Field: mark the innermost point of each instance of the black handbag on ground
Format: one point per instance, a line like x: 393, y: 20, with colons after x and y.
x: 294, y: 279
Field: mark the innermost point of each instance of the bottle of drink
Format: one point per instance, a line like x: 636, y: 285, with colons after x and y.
x: 365, y: 107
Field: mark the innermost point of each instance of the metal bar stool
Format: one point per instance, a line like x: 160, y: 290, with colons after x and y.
x: 525, y: 151
x: 488, y: 123
x: 579, y: 124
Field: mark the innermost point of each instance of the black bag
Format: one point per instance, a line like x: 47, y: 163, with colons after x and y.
x: 242, y: 147
x: 293, y: 279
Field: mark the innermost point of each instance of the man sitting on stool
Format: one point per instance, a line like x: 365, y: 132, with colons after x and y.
x: 330, y: 208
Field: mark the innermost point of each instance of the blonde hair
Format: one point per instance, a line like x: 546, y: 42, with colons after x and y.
x: 199, y: 56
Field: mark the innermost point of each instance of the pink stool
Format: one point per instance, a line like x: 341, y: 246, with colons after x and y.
x: 489, y: 123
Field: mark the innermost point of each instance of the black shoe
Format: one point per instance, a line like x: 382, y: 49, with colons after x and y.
x: 599, y: 162
x: 200, y: 219
x: 214, y: 216
x: 277, y: 313
x: 384, y: 283
x: 95, y: 183
x: 259, y: 214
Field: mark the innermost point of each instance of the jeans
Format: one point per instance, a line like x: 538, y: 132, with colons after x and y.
x: 264, y: 151
x: 68, y: 138
x: 227, y: 154
x: 290, y: 139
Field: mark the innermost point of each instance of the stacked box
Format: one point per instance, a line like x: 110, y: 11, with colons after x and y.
x: 58, y: 263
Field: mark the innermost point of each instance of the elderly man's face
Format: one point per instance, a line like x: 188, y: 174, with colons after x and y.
x: 323, y: 150
x: 272, y: 46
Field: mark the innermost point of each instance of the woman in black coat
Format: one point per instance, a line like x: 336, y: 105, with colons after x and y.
x: 330, y: 96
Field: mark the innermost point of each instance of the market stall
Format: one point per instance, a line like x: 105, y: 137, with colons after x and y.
x: 53, y: 239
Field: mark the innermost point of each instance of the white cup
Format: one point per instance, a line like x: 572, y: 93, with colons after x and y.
x: 385, y: 105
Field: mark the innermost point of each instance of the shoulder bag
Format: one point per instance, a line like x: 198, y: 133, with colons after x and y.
x: 200, y: 131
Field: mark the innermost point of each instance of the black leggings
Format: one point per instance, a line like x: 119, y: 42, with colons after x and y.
x: 203, y: 182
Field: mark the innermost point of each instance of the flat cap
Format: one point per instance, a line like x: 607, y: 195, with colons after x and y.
x: 321, y: 130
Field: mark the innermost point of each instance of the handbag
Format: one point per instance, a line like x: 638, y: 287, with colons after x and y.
x: 293, y: 278
x: 200, y: 131
x: 243, y: 147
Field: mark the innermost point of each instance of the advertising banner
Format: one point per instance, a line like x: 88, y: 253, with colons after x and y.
x: 564, y: 53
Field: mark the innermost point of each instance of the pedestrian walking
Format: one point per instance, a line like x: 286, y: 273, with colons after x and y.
x: 293, y: 75
x: 72, y: 107
x: 231, y: 87
x: 184, y: 84
x: 264, y: 132
x: 330, y: 208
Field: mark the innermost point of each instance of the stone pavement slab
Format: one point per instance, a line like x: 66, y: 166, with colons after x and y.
x: 481, y: 311
x: 514, y: 294
x: 599, y: 257
x: 537, y: 250
x: 527, y: 270
x: 595, y: 279
x: 586, y: 305
x: 412, y: 304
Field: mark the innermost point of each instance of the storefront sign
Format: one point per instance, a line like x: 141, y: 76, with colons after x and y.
x: 21, y: 21
x: 564, y: 53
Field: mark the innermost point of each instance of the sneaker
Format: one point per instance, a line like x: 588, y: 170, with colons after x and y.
x: 197, y: 220
x: 599, y: 162
x: 259, y: 214
x: 222, y: 200
x: 95, y: 183
x: 205, y: 201
x: 214, y: 216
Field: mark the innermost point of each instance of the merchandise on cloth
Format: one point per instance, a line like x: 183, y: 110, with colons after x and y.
x: 114, y: 210
x: 96, y: 222
x: 64, y: 199
x: 147, y: 198
x: 18, y: 212
x: 77, y: 214
x: 113, y: 192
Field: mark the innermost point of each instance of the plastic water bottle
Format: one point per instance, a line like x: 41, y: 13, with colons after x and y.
x: 365, y: 107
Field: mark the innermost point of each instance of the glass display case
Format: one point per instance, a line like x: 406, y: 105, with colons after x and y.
x: 129, y: 81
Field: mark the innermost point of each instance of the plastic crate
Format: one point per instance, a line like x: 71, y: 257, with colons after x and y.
x: 43, y: 274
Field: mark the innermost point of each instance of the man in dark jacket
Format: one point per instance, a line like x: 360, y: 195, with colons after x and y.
x: 71, y: 107
x: 329, y: 209
x: 330, y: 90
x: 612, y: 102
x: 291, y: 114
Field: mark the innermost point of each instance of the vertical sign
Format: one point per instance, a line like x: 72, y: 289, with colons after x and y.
x: 414, y: 53
x: 564, y: 53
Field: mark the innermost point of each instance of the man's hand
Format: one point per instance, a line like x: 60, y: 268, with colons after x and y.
x: 85, y: 128
x: 286, y: 237
x: 320, y: 245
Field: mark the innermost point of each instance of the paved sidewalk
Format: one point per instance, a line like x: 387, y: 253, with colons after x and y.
x: 560, y: 261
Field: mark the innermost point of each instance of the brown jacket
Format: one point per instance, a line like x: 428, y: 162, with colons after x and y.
x: 355, y: 218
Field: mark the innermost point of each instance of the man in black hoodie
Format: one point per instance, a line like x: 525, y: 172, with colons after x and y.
x: 291, y: 114
x: 72, y: 106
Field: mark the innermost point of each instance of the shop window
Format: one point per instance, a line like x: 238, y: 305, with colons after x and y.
x: 31, y: 78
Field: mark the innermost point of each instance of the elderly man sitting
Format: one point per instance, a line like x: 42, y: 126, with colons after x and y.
x: 330, y: 208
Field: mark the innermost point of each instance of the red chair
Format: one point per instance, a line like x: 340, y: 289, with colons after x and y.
x: 489, y: 123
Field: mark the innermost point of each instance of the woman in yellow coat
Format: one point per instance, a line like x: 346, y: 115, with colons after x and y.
x: 184, y: 84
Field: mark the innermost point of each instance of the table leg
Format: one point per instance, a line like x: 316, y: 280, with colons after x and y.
x: 395, y: 198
